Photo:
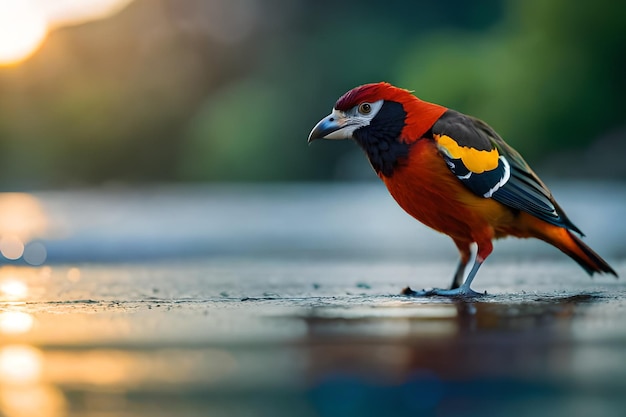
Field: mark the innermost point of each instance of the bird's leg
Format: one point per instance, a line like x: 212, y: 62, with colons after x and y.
x: 464, y: 250
x: 464, y: 289
x: 457, y: 279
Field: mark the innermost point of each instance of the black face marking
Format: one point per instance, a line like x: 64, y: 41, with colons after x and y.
x: 380, y: 141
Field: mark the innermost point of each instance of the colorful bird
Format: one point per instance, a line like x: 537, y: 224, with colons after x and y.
x: 455, y: 174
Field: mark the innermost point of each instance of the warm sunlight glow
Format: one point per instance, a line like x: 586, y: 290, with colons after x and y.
x: 19, y: 364
x: 15, y: 322
x: 22, y: 30
x: 21, y: 215
x: 13, y: 290
x: 97, y: 367
x: 32, y: 400
x: 21, y: 219
x: 24, y: 24
x: 23, y: 392
x: 21, y: 283
x: 70, y: 12
x: 73, y: 274
x: 116, y: 368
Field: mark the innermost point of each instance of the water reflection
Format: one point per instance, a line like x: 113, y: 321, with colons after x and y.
x: 390, y: 319
x: 424, y: 357
x: 126, y: 370
x: 20, y: 364
x: 33, y: 400
x: 394, y: 340
x: 22, y: 392
x: 447, y: 359
x: 45, y: 376
x: 15, y: 322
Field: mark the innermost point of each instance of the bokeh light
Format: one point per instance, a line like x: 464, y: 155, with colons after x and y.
x: 73, y: 274
x: 71, y: 12
x: 11, y: 247
x: 24, y: 24
x: 23, y: 392
x: 20, y: 364
x: 35, y: 253
x: 15, y: 322
x: 23, y: 29
x: 12, y: 289
x: 22, y: 218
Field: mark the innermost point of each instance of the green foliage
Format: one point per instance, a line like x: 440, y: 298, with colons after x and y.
x: 235, y: 128
x: 547, y: 77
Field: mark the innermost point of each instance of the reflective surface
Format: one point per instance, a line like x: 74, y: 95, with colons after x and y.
x: 293, y: 328
x: 213, y: 337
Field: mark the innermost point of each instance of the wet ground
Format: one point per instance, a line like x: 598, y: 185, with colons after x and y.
x: 285, y: 301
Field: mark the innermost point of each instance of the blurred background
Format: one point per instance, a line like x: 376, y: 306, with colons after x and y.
x: 140, y: 91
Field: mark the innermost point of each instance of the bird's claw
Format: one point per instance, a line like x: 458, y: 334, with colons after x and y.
x: 457, y: 292
x: 460, y: 292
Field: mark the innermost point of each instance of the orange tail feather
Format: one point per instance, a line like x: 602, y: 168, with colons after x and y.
x: 576, y: 249
x: 587, y: 258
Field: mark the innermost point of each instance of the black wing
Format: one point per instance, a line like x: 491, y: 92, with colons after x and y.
x: 491, y: 168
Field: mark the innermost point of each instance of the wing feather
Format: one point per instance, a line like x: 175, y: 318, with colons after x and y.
x: 510, y: 180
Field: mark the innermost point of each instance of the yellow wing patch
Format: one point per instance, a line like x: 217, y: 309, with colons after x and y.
x: 475, y: 160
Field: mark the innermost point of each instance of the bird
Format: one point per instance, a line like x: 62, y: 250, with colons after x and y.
x: 456, y: 175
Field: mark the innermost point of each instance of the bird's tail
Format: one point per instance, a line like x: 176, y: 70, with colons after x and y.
x: 587, y: 258
x: 576, y: 249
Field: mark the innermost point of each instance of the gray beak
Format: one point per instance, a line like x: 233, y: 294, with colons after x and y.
x: 331, y: 127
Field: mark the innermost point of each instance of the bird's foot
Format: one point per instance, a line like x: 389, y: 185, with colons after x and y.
x: 461, y: 292
x: 457, y: 292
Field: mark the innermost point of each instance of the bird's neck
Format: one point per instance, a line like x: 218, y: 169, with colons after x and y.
x: 396, y: 127
x: 380, y: 139
x: 421, y: 116
x: 384, y: 153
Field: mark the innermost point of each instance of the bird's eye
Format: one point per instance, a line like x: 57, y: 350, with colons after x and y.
x: 365, y: 108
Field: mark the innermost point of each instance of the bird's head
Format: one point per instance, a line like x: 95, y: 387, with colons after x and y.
x: 375, y: 109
